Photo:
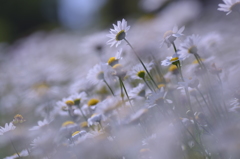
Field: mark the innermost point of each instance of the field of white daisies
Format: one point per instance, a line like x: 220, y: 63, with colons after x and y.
x: 165, y: 87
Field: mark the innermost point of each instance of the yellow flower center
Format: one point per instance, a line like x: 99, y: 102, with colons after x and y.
x: 18, y: 119
x: 141, y: 74
x: 84, y: 124
x: 161, y: 85
x: 75, y: 133
x: 69, y: 102
x: 112, y: 61
x: 100, y: 75
x: 117, y: 66
x: 174, y: 59
x: 120, y: 35
x: 172, y: 68
x: 66, y: 123
x: 93, y: 102
x: 196, y: 61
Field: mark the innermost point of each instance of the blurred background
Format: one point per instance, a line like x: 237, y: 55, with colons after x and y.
x: 20, y: 18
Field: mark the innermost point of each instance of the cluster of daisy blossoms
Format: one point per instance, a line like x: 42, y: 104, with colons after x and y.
x: 131, y: 105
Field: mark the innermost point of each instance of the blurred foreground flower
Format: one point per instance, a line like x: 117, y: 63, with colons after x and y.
x: 229, y: 6
x: 8, y: 127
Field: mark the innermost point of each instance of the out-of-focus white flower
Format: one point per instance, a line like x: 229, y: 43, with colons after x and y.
x: 171, y: 35
x: 98, y: 73
x: 40, y: 125
x: 189, y: 46
x: 118, y: 33
x: 190, y: 82
x: 229, y: 6
x: 8, y: 127
x: 137, y: 115
x: 138, y: 91
x: 23, y: 153
x: 138, y: 71
x: 158, y: 98
x: 95, y: 119
x: 78, y: 134
x: 174, y: 59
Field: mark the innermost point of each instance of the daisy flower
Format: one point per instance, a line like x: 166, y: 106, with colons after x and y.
x: 158, y: 98
x: 114, y: 60
x: 40, y: 125
x: 139, y: 91
x: 118, y: 33
x: 174, y: 59
x: 229, y: 6
x: 171, y: 35
x: 77, y: 98
x: 8, y: 127
x: 99, y: 73
x: 95, y: 119
x: 138, y: 71
x: 189, y: 46
x: 190, y: 82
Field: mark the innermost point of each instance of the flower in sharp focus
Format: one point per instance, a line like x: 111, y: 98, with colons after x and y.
x: 229, y: 6
x: 171, y: 35
x: 138, y: 71
x: 174, y: 59
x: 189, y: 46
x: 118, y: 33
x: 8, y: 127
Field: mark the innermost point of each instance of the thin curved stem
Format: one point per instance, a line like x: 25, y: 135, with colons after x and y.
x: 141, y: 63
x: 108, y: 87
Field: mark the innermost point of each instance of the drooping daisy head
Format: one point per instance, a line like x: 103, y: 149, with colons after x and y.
x: 171, y: 35
x: 229, y: 6
x: 189, y: 46
x: 138, y: 71
x: 118, y: 33
x: 114, y: 60
x: 174, y: 59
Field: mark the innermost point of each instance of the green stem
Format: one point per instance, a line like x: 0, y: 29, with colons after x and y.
x: 141, y: 62
x: 122, y: 95
x: 14, y: 147
x: 124, y: 88
x: 148, y: 84
x: 108, y: 86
